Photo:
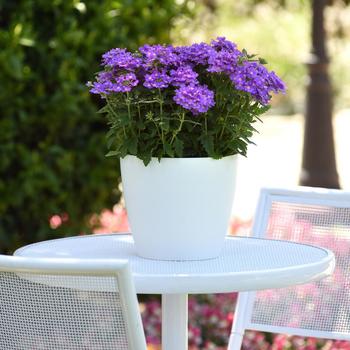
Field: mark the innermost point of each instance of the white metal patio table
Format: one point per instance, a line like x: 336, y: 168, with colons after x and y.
x: 245, y: 264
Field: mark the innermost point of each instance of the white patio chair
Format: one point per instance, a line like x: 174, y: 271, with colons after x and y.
x: 322, y: 309
x: 67, y: 304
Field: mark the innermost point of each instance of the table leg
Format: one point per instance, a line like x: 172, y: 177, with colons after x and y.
x: 174, y: 322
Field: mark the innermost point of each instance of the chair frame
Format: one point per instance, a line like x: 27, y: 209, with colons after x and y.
x: 118, y: 269
x: 245, y: 302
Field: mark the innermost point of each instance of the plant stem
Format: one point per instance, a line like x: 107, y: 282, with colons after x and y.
x: 223, y: 127
x: 127, y: 100
x: 160, y: 103
x: 115, y: 115
x: 161, y: 117
x: 182, y: 119
x: 139, y: 113
x: 128, y: 105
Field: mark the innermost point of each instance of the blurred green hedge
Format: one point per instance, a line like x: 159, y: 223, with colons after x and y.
x: 52, y: 142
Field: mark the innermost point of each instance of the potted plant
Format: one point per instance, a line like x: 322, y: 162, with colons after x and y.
x: 178, y: 117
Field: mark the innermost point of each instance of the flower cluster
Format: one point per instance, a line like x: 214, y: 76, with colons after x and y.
x: 182, y: 68
x: 200, y: 100
x: 196, y: 98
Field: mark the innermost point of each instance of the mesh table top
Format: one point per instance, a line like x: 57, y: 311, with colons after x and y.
x: 245, y: 263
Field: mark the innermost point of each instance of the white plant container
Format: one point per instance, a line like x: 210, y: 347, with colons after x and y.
x: 179, y: 208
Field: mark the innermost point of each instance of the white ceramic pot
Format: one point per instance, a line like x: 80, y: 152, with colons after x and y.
x: 179, y: 208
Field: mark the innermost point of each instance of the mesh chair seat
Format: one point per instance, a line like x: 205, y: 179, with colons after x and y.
x: 36, y: 315
x: 318, y: 309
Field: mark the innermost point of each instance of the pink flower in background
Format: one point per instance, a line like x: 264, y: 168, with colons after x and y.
x: 254, y: 341
x: 151, y: 316
x: 57, y: 220
x: 280, y: 342
x: 338, y: 345
x: 240, y: 227
x: 113, y: 221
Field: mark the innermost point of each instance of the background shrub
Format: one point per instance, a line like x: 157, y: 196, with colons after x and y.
x: 52, y: 142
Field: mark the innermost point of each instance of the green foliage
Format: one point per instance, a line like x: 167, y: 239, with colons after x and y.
x: 51, y: 140
x: 147, y: 123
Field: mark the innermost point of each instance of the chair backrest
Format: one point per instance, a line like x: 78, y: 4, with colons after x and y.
x: 320, y: 309
x: 68, y: 304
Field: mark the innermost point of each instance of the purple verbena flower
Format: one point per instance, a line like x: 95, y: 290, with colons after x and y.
x: 224, y: 61
x: 125, y: 82
x: 183, y: 75
x: 158, y: 54
x: 121, y: 58
x: 99, y: 88
x: 108, y: 82
x: 157, y: 79
x: 221, y: 43
x: 276, y: 84
x: 195, y: 54
x: 196, y: 98
x: 160, y: 67
x: 255, y: 79
x: 102, y: 85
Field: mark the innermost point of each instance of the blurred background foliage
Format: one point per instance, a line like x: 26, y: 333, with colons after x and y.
x: 52, y: 142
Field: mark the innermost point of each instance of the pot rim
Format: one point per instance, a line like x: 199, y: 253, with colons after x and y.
x: 183, y: 158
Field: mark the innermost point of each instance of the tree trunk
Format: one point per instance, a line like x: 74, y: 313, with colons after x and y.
x: 319, y: 164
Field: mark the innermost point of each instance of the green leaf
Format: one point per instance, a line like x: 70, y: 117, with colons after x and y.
x: 140, y: 125
x: 208, y: 144
x: 146, y: 160
x: 123, y: 151
x: 131, y: 144
x: 179, y: 147
x: 15, y: 67
x: 112, y: 153
x: 164, y: 124
x: 124, y: 119
x: 110, y: 138
x: 103, y: 110
x: 230, y: 107
x: 168, y: 149
x: 110, y: 142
